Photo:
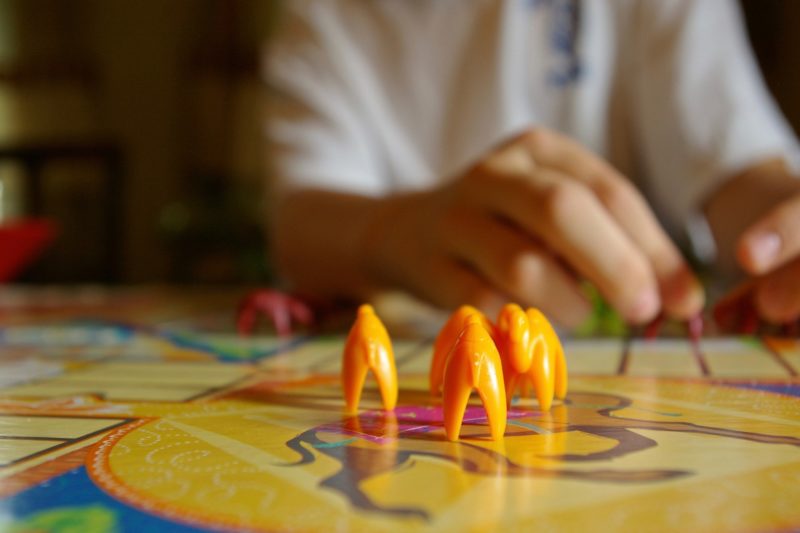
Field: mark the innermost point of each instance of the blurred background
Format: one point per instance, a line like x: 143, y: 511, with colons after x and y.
x: 135, y: 126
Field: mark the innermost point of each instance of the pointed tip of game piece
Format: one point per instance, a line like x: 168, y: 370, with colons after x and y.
x: 512, y: 316
x: 475, y: 331
x: 473, y: 320
x: 366, y: 309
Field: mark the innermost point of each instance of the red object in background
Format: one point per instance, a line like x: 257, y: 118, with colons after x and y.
x: 21, y: 241
x: 281, y: 308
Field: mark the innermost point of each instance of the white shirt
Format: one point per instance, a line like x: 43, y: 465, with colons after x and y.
x: 378, y: 96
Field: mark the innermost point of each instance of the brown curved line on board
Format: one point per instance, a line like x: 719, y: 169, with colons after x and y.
x: 627, y: 442
x: 688, y: 427
x: 371, y: 462
x: 359, y: 464
x: 685, y: 427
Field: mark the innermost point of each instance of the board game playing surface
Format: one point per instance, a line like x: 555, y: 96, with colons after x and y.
x: 142, y: 411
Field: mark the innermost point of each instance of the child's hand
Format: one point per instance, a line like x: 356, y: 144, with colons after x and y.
x: 527, y: 223
x: 770, y: 249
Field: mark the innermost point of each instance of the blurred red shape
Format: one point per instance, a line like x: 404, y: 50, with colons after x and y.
x: 21, y: 241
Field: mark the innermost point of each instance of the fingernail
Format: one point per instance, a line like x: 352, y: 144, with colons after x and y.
x: 695, y: 300
x: 764, y: 249
x: 683, y: 294
x: 646, y: 306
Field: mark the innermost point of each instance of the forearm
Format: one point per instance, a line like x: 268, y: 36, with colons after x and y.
x: 318, y: 239
x: 336, y: 244
x: 744, y: 199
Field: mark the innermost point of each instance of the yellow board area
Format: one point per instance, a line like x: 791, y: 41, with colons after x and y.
x: 653, y: 436
x: 625, y: 452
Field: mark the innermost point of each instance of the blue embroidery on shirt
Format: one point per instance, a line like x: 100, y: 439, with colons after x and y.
x: 566, y: 16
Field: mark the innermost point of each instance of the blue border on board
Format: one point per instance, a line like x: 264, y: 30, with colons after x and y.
x: 75, y: 491
x: 194, y: 341
x: 180, y: 339
x: 787, y: 389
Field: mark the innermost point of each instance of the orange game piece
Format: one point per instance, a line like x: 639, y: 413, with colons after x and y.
x: 368, y: 347
x: 532, y: 353
x: 447, y: 338
x: 474, y: 363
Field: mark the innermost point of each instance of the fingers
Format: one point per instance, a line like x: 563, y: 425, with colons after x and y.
x: 774, y: 298
x: 526, y: 221
x: 523, y: 270
x: 772, y: 241
x: 681, y: 292
x: 573, y: 222
x: 777, y: 296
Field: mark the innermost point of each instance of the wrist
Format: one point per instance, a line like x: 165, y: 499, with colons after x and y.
x: 390, y: 240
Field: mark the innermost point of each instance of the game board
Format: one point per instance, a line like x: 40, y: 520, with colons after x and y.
x: 145, y: 413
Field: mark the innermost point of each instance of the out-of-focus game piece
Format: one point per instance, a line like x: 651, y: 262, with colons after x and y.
x: 368, y: 347
x: 446, y: 339
x: 695, y: 326
x: 652, y: 329
x: 474, y: 363
x: 694, y: 332
x: 279, y: 307
x: 737, y: 313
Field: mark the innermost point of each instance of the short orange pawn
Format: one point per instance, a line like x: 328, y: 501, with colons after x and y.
x: 368, y: 347
x: 474, y: 363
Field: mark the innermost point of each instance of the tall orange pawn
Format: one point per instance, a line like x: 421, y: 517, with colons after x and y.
x: 368, y: 347
x: 447, y: 338
x: 474, y: 363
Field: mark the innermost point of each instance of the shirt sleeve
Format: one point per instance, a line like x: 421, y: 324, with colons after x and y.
x: 315, y: 135
x: 702, y: 112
